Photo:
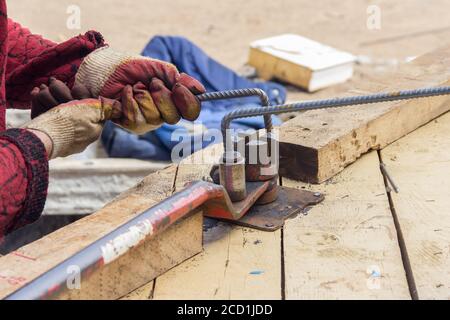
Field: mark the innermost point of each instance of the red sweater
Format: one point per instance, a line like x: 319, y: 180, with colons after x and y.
x: 26, y: 61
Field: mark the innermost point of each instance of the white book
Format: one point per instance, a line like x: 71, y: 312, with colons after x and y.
x: 300, y: 61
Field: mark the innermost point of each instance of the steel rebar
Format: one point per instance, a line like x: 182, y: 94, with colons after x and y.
x: 240, y: 93
x: 328, y: 103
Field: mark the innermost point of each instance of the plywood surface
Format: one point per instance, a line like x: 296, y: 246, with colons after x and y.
x: 345, y: 247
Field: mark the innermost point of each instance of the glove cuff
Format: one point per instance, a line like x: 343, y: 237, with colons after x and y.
x: 60, y: 130
x: 98, y: 67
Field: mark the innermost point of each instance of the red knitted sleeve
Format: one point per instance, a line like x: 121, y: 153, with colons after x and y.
x: 23, y: 179
x: 26, y: 61
x: 32, y: 60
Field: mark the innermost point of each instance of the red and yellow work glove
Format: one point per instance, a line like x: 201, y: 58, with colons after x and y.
x: 74, y: 125
x: 151, y: 91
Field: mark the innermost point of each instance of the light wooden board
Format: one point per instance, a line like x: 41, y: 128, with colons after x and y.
x: 420, y: 165
x: 300, y: 61
x: 318, y: 144
x: 237, y: 263
x: 28, y: 262
x: 269, y: 66
x: 336, y: 251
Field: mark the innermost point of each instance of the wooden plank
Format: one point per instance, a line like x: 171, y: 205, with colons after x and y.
x: 345, y: 247
x: 420, y: 166
x: 25, y: 264
x: 314, y: 67
x: 237, y: 263
x: 269, y: 66
x: 318, y: 144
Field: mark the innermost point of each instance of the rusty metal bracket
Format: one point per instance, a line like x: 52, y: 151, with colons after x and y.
x: 266, y: 214
x: 271, y: 217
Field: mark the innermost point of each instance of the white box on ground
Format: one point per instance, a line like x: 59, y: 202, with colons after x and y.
x: 300, y: 61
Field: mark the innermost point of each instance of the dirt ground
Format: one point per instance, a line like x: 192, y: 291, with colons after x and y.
x: 224, y: 29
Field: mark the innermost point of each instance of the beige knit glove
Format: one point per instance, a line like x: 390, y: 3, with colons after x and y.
x: 153, y: 89
x: 75, y: 125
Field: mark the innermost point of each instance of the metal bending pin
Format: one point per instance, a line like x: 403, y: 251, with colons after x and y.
x: 388, y: 177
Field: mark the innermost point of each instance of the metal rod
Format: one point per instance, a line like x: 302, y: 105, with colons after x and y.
x: 388, y: 177
x: 241, y: 93
x: 328, y: 103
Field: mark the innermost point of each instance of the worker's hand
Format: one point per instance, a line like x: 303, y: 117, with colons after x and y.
x: 44, y: 98
x: 154, y: 90
x: 132, y: 116
x: 74, y: 125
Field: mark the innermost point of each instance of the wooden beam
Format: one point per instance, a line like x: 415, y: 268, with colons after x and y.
x: 237, y: 263
x: 136, y: 268
x: 420, y: 166
x: 318, y: 144
x: 346, y: 247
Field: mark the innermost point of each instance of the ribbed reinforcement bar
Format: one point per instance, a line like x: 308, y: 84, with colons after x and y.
x: 328, y: 103
x: 240, y: 93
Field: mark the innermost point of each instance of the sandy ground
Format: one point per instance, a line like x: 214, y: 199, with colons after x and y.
x: 225, y: 28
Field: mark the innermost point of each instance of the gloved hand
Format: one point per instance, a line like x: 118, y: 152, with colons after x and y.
x: 132, y: 116
x: 44, y: 98
x: 154, y: 90
x: 75, y: 125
